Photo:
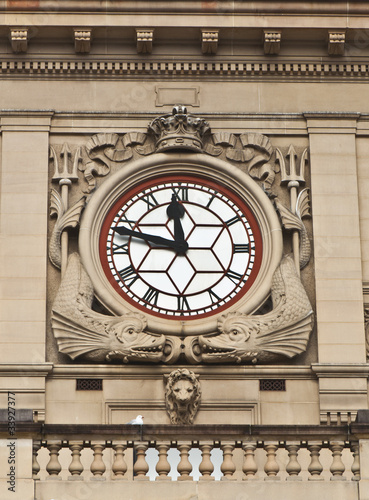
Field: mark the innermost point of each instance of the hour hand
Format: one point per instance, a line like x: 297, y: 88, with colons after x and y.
x: 158, y: 240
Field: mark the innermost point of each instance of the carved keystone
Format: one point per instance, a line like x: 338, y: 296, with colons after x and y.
x: 19, y: 39
x: 272, y: 41
x: 209, y: 39
x: 144, y: 38
x: 336, y: 43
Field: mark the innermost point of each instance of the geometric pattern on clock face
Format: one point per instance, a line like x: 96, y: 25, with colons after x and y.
x: 220, y: 264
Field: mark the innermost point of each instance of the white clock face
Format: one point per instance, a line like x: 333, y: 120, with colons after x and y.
x: 180, y: 247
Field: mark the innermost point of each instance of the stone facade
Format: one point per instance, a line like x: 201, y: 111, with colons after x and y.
x: 261, y: 106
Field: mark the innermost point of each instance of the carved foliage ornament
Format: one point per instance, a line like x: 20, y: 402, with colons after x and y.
x: 181, y: 248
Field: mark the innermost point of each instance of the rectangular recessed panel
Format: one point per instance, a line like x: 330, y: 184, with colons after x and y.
x: 170, y: 96
x: 272, y: 385
x: 89, y: 384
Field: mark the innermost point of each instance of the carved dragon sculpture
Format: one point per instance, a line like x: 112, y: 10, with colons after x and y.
x: 82, y: 332
x: 286, y: 329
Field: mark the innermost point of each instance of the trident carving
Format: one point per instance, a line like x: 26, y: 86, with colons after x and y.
x: 293, y: 177
x: 64, y: 177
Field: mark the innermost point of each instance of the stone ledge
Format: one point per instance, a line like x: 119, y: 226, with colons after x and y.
x: 172, y: 432
x: 198, y: 490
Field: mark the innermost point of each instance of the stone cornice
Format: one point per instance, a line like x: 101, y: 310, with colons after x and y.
x: 343, y: 8
x: 340, y: 370
x: 17, y: 120
x: 25, y: 369
x: 210, y: 372
x: 103, y: 68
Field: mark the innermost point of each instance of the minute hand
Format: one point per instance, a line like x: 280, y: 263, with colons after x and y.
x: 176, y: 211
x: 179, y: 246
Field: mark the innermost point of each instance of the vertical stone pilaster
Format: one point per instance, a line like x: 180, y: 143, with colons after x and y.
x: 337, y: 257
x: 24, y: 204
x: 23, y: 255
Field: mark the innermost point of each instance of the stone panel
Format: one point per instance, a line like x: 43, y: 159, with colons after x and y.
x: 24, y: 215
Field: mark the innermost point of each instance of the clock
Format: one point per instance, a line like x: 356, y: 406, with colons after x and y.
x: 182, y: 239
x: 180, y: 246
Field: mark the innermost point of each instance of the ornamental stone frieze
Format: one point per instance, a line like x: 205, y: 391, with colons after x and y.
x: 188, y: 250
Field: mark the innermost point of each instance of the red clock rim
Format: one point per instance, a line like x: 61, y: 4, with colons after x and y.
x: 183, y: 178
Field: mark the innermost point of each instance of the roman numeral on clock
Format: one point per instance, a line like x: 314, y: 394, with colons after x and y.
x: 151, y: 296
x: 130, y: 222
x: 181, y: 193
x: 182, y: 303
x: 120, y: 249
x: 150, y: 200
x: 241, y: 248
x: 213, y: 297
x: 128, y: 275
x: 210, y: 201
x: 232, y: 221
x: 234, y: 277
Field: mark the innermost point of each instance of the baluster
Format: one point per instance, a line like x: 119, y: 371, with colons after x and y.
x: 293, y: 467
x: 206, y: 466
x: 184, y: 467
x: 119, y: 467
x: 355, y: 468
x: 315, y: 467
x: 54, y: 467
x: 228, y: 467
x: 271, y: 467
x: 76, y: 467
x: 141, y: 467
x: 249, y: 466
x: 98, y: 467
x: 163, y: 466
x: 36, y: 445
x: 337, y: 467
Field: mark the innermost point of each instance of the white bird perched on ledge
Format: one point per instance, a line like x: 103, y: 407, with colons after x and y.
x: 136, y: 421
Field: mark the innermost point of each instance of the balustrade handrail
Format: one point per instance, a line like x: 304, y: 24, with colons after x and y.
x: 346, y: 432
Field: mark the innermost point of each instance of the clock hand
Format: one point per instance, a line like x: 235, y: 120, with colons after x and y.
x: 176, y: 211
x: 179, y: 246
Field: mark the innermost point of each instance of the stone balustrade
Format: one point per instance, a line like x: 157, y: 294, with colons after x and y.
x: 203, y: 453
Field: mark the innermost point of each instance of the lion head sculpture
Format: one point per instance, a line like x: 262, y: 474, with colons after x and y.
x: 182, y: 396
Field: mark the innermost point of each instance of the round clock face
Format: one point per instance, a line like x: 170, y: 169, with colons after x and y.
x: 180, y: 247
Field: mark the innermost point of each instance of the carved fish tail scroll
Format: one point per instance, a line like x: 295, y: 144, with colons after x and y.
x: 64, y: 219
x: 256, y: 151
x: 284, y: 331
x: 82, y: 332
x: 105, y: 150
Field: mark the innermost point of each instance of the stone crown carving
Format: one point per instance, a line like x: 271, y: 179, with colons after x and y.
x: 179, y: 130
